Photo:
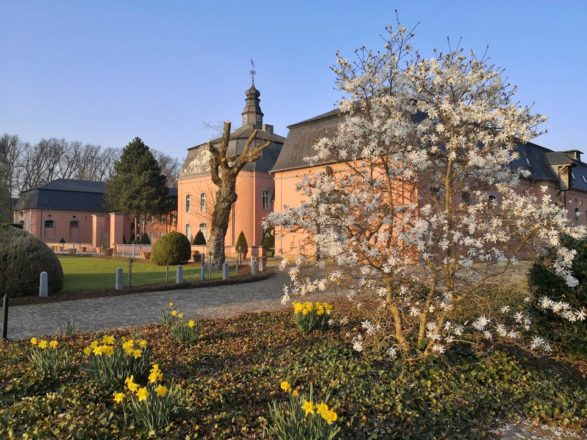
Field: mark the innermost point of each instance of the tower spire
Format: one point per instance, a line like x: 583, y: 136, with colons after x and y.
x: 252, y: 114
x: 253, y: 72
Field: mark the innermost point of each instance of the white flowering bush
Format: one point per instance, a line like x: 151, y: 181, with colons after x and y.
x: 420, y: 209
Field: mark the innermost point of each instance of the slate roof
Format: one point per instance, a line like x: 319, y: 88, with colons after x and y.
x: 238, y: 138
x: 301, y: 139
x: 65, y: 194
x: 68, y: 195
x: 540, y: 161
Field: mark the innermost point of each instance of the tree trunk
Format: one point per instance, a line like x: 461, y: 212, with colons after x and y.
x: 225, y: 198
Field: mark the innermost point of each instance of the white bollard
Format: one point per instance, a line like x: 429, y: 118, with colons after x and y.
x: 253, y: 266
x: 119, y: 279
x: 225, y: 271
x: 179, y: 274
x: 44, y: 285
x: 261, y: 266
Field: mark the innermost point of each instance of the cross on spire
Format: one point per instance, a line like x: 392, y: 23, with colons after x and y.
x: 253, y: 72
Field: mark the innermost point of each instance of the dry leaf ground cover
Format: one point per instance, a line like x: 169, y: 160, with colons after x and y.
x: 232, y: 373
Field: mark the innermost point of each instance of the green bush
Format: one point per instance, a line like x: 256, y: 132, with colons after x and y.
x: 22, y: 258
x: 543, y: 281
x: 242, y: 246
x: 199, y: 239
x: 172, y: 248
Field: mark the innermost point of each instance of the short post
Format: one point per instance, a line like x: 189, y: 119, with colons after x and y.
x: 119, y: 279
x: 44, y: 285
x: 225, y: 270
x: 253, y: 266
x: 130, y: 272
x: 179, y: 274
x: 167, y: 273
x: 261, y: 266
x: 203, y: 268
x: 210, y: 266
x: 5, y: 316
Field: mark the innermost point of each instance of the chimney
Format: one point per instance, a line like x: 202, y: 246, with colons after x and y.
x: 573, y: 154
x: 267, y: 128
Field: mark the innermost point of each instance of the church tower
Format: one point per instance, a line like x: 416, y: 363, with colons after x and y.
x: 252, y: 114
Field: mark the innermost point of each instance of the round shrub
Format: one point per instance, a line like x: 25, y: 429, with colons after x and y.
x: 22, y: 258
x: 172, y: 248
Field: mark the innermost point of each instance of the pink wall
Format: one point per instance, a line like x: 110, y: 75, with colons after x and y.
x: 247, y: 213
x: 63, y: 225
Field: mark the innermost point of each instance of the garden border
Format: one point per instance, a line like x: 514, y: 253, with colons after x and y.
x: 90, y: 294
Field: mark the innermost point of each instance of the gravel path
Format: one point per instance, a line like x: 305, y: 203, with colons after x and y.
x: 144, y: 308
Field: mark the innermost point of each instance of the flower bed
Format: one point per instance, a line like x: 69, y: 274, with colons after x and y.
x: 233, y: 373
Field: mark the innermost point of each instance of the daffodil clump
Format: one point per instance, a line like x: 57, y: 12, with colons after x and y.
x: 301, y: 418
x: 170, y: 315
x: 186, y: 332
x: 47, y: 357
x: 310, y: 316
x: 153, y: 405
x: 111, y: 361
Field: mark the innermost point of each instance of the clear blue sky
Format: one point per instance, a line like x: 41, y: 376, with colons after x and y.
x: 105, y: 71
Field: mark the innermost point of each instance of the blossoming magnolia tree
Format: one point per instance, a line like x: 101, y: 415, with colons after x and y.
x: 402, y: 215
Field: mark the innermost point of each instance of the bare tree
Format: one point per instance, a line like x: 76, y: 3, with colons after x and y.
x: 224, y: 171
x: 170, y: 167
x: 10, y: 150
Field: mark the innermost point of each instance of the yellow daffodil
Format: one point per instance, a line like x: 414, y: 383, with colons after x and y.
x: 142, y: 393
x: 53, y: 345
x: 170, y: 305
x: 180, y: 315
x: 34, y: 341
x: 99, y: 350
x: 143, y: 343
x: 295, y: 393
x: 285, y: 386
x: 108, y: 350
x: 308, y: 407
x: 87, y: 351
x: 174, y: 313
x: 161, y: 390
x: 329, y: 416
x: 107, y: 339
x: 130, y: 384
x: 128, y: 345
x: 118, y: 397
x: 94, y: 344
x: 191, y: 323
x: 43, y: 344
x: 155, y: 375
x: 321, y: 408
x: 137, y: 354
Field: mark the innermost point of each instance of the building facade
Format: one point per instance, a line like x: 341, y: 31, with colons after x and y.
x: 562, y: 172
x: 254, y: 186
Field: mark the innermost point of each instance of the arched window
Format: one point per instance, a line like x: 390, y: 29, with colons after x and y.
x: 188, y: 201
x: 203, y: 202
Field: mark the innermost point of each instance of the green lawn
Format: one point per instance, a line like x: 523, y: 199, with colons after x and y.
x: 96, y: 273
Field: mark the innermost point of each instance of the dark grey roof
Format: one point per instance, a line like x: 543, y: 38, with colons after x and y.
x: 301, y: 138
x: 68, y: 194
x: 65, y: 194
x: 542, y: 162
x: 238, y: 138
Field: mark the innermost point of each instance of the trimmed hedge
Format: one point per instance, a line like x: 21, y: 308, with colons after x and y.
x: 22, y: 258
x: 172, y: 248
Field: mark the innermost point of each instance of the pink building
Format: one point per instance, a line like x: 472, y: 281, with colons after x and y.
x: 564, y: 173
x: 74, y: 212
x: 255, y: 186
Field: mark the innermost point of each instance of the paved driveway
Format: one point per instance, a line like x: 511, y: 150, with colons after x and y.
x: 144, y: 308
